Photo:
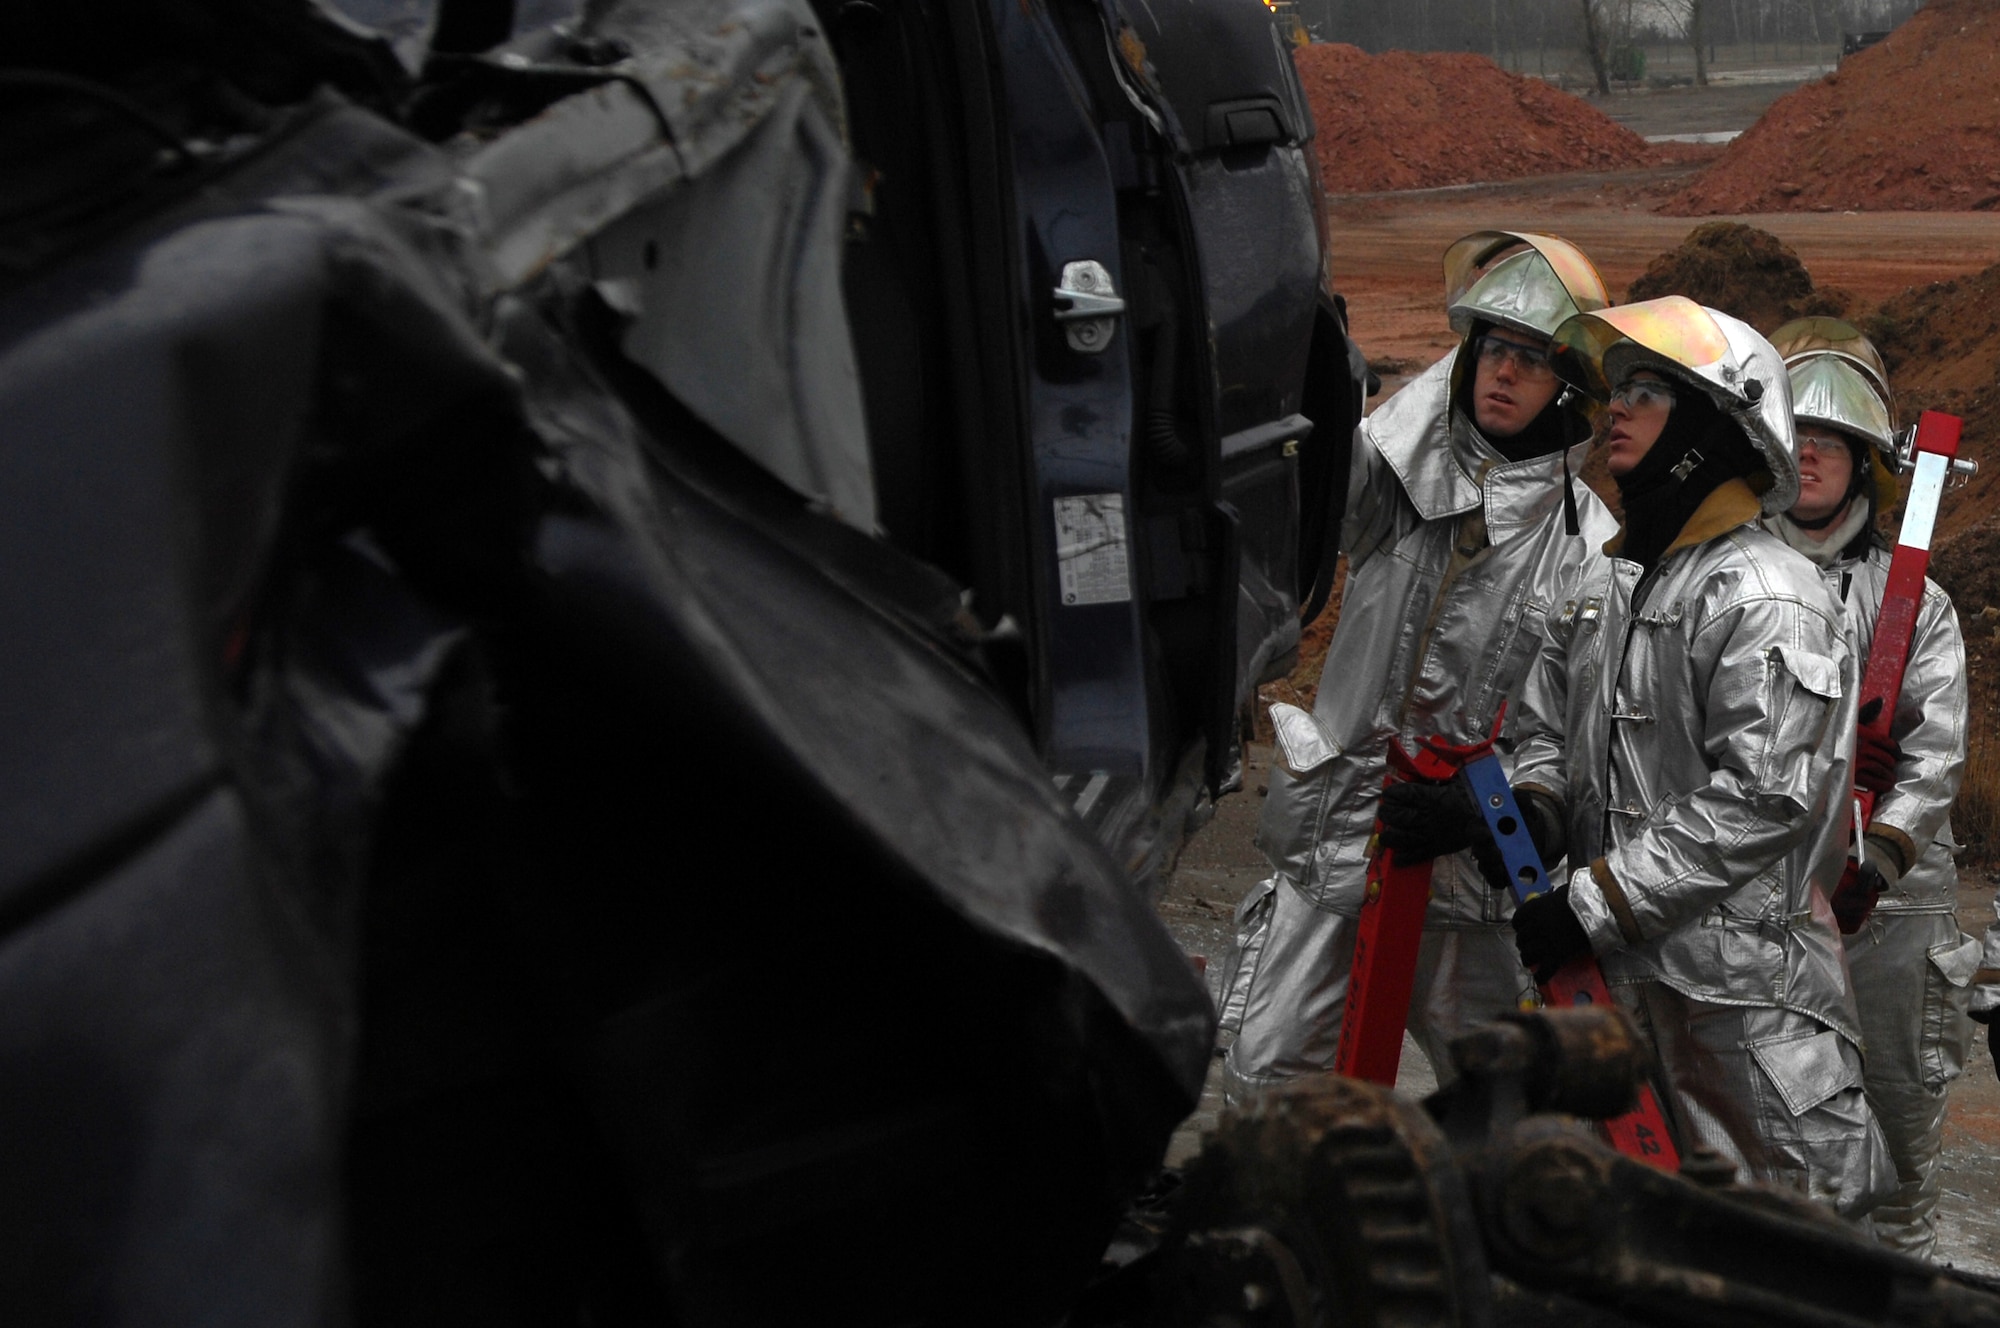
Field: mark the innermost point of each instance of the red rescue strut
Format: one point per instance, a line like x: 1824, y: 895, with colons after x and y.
x: 1391, y: 930
x: 1934, y: 457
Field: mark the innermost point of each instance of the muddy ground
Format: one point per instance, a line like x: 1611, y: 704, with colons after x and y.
x: 1389, y: 245
x: 1387, y: 264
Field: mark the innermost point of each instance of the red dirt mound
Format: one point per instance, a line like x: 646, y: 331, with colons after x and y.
x: 1742, y: 271
x: 1409, y: 120
x: 1911, y: 124
x: 1942, y: 345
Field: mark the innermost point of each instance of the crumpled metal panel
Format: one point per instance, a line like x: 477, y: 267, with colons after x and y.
x: 287, y: 476
x: 734, y: 286
x: 210, y: 671
x: 733, y: 291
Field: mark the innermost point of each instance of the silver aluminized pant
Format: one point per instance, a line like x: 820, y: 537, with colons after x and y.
x: 1288, y: 990
x: 1776, y: 1092
x: 1913, y: 1016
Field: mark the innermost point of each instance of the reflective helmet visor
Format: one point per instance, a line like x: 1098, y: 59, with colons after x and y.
x: 1674, y: 329
x: 1520, y: 280
x: 1828, y: 389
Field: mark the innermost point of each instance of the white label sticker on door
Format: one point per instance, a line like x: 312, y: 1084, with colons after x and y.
x: 1090, y: 549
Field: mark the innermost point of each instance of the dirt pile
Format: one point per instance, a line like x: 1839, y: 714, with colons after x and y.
x: 1410, y: 120
x: 1942, y: 345
x: 1912, y: 123
x: 1742, y: 271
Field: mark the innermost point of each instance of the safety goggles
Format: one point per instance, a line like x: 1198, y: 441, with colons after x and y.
x: 1529, y: 361
x: 1637, y: 394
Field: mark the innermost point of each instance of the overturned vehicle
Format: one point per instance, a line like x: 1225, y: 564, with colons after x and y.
x: 612, y: 611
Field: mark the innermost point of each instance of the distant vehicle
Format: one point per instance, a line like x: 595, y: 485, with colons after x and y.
x: 1851, y: 42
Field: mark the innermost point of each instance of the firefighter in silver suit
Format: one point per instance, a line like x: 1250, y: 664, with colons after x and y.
x: 1911, y: 966
x: 1986, y: 986
x: 1460, y: 530
x: 1685, y: 736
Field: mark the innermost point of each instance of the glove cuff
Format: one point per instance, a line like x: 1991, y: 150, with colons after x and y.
x: 1885, y: 855
x: 1547, y: 825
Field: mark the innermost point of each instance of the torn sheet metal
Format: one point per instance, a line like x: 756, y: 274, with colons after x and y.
x: 443, y: 775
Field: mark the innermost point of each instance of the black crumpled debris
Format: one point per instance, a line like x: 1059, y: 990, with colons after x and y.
x: 471, y: 852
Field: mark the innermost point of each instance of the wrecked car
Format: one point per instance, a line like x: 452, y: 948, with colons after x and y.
x: 611, y: 610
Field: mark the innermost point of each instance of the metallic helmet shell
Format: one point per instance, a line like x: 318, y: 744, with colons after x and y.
x: 1840, y: 382
x: 1823, y: 335
x: 1721, y: 356
x: 1533, y: 290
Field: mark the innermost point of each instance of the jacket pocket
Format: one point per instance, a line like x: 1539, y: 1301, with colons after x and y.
x: 1815, y: 672
x: 1294, y: 815
x: 1956, y: 960
x: 1947, y: 1032
x: 1808, y: 1070
x: 1253, y: 927
x: 1303, y: 741
x: 1508, y: 662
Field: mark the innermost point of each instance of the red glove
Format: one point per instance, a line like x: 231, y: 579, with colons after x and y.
x: 1876, y: 756
x: 1861, y: 884
x: 1875, y: 762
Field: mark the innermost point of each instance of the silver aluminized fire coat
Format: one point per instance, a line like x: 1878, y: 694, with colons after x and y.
x: 1911, y: 966
x: 1698, y: 723
x: 1698, y: 727
x: 1432, y: 642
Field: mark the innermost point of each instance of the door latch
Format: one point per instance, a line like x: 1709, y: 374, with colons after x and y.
x: 1087, y: 306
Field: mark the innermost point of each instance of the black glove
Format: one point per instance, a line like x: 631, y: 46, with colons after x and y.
x: 1547, y: 933
x: 1861, y: 884
x: 1422, y: 820
x: 1547, y: 825
x: 1875, y: 758
x: 1543, y: 816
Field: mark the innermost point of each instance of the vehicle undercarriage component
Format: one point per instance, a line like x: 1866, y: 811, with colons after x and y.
x: 1334, y: 1202
x: 1560, y: 1211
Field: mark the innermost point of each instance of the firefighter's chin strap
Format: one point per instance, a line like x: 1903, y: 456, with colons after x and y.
x: 1571, y: 420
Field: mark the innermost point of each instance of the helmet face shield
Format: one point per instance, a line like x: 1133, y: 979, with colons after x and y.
x: 1531, y: 283
x: 1828, y: 389
x: 1676, y: 333
x: 1705, y: 348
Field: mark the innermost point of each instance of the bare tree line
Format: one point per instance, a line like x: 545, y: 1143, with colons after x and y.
x: 1523, y: 33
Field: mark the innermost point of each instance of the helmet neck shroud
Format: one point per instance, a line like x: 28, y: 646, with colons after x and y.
x: 1699, y: 449
x: 1556, y: 428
